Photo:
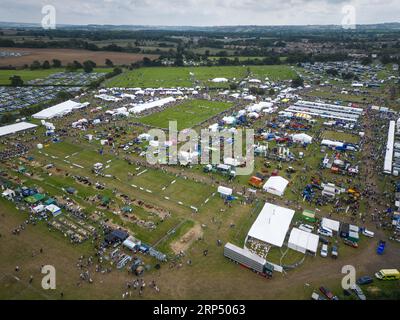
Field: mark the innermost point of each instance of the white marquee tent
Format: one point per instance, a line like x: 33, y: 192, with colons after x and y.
x: 302, y: 138
x: 16, y: 127
x: 272, y: 224
x: 276, y: 185
x: 303, y: 241
x: 330, y: 224
x: 59, y: 110
x: 224, y: 191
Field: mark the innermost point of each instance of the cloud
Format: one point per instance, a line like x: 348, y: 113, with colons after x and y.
x: 201, y: 12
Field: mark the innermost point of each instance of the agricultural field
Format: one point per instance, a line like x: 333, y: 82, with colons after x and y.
x: 190, y: 77
x: 28, y: 55
x: 187, y: 114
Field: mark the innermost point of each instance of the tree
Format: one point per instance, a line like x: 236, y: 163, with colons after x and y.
x: 297, y: 82
x: 109, y: 63
x: 77, y: 65
x: 63, y: 95
x: 35, y: 65
x: 366, y: 61
x: 16, y: 81
x: 46, y: 65
x: 87, y: 67
x: 56, y: 63
x: 233, y: 86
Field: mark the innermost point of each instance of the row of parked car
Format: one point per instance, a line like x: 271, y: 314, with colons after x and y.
x: 384, y: 274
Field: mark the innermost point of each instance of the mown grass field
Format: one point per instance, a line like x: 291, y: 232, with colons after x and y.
x: 28, y: 75
x: 186, y: 114
x: 190, y: 76
x: 341, y: 136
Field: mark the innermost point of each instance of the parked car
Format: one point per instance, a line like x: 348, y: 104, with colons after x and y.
x: 381, y: 247
x: 328, y: 293
x: 316, y: 296
x: 324, y: 251
x: 334, y: 252
x: 324, y: 240
x: 350, y: 243
x: 364, y: 280
x: 359, y: 293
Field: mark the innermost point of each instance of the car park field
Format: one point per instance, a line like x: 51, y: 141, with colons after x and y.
x: 29, y: 75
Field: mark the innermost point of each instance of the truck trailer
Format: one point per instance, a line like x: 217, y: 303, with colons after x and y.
x: 248, y: 259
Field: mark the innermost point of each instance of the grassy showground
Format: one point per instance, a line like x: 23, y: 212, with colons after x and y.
x: 341, y: 136
x: 186, y: 114
x: 190, y: 76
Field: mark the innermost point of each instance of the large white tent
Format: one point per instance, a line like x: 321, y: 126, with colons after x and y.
x: 387, y: 168
x: 303, y: 241
x: 59, y: 110
x: 272, y: 224
x: 302, y: 138
x: 16, y: 127
x: 224, y: 191
x: 276, y: 185
x: 330, y: 224
x: 140, y: 107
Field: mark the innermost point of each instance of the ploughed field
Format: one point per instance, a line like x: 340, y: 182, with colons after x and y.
x: 28, y: 55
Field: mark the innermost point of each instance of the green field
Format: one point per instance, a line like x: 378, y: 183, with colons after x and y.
x: 181, y: 76
x: 341, y: 136
x: 186, y: 114
x: 28, y: 75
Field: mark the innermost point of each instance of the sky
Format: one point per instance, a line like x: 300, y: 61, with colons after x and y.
x: 202, y: 12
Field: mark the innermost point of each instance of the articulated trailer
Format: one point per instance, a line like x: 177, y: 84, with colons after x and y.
x: 248, y: 260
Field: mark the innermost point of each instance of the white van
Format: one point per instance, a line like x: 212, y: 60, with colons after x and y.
x: 325, y: 232
x: 368, y: 233
x: 324, y: 251
x: 306, y: 227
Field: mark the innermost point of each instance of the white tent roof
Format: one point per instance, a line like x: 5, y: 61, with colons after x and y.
x: 59, y: 110
x: 272, y: 224
x: 302, y: 137
x: 330, y: 224
x: 16, y: 127
x: 276, y: 185
x: 225, y: 191
x: 8, y: 192
x: 53, y: 209
x: 140, y: 107
x: 387, y: 168
x: 219, y: 80
x: 302, y: 241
